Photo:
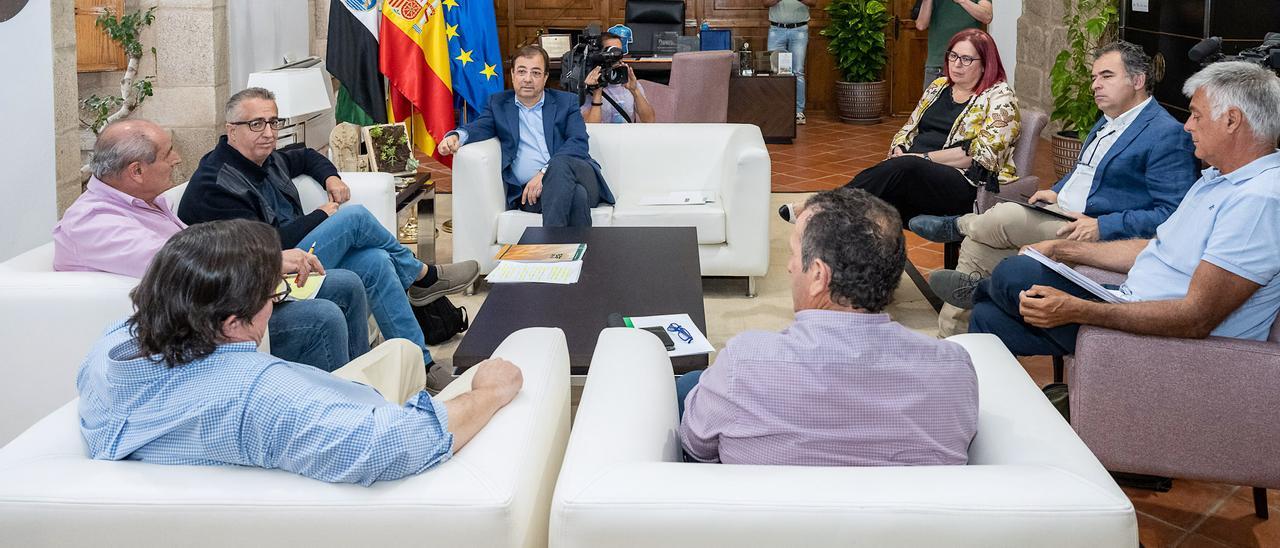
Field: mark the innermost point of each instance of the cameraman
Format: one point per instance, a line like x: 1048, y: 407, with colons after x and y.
x: 629, y: 96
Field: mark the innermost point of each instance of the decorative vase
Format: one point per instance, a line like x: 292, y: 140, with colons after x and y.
x: 861, y: 102
x: 1066, y: 149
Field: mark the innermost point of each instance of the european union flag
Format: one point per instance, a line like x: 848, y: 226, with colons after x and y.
x: 475, y: 60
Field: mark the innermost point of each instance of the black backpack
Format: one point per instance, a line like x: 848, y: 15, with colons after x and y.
x: 440, y: 320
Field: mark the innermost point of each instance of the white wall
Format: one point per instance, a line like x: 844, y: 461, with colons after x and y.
x: 1004, y: 29
x: 28, y: 199
x: 261, y: 35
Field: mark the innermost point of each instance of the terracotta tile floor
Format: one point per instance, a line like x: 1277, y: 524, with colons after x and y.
x: 827, y: 153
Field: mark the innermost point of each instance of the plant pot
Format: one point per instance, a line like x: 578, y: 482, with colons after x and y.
x: 1066, y: 149
x: 861, y: 102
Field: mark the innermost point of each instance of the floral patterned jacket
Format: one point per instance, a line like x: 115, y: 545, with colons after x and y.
x: 989, y: 125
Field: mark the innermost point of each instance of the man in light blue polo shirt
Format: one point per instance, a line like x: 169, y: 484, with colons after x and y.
x: 1214, y: 265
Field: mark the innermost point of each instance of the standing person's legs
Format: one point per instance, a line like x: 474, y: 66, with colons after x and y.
x: 345, y: 289
x: 798, y: 45
x: 996, y: 302
x: 931, y: 73
x: 384, y: 287
x: 916, y: 186
x: 311, y: 332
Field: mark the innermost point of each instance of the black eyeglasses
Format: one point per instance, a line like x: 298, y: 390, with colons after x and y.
x: 256, y: 125
x: 279, y: 296
x: 965, y: 60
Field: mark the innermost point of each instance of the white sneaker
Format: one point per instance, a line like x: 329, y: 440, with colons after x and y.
x: 799, y: 118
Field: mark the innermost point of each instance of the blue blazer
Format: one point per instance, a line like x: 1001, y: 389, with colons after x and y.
x: 1143, y: 177
x: 562, y: 124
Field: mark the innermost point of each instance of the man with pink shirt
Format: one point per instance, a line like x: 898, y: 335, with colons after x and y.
x: 844, y: 385
x: 122, y: 220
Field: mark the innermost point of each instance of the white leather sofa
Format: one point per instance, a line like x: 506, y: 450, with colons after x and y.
x: 1030, y: 481
x: 51, y: 318
x: 639, y: 160
x: 496, y: 492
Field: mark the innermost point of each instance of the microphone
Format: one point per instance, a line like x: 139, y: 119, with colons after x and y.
x: 1205, y: 49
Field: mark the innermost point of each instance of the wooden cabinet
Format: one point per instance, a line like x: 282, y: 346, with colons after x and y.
x: 766, y: 101
x: 95, y: 52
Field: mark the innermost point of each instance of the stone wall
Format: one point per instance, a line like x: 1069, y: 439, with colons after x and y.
x: 65, y: 98
x: 1041, y: 35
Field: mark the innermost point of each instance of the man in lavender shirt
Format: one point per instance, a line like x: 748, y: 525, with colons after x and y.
x: 122, y: 221
x: 844, y: 385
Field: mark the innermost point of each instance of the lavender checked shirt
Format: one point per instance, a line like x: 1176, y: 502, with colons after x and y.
x: 123, y: 233
x: 834, y: 389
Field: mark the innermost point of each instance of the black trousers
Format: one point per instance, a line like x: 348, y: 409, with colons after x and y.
x: 918, y: 187
x: 570, y: 188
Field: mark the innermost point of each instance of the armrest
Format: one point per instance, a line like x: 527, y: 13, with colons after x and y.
x: 744, y: 192
x: 663, y: 99
x: 478, y: 199
x: 1179, y: 407
x: 375, y: 191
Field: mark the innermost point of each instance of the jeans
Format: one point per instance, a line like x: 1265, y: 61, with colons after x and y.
x: 353, y: 240
x: 931, y: 73
x: 570, y: 188
x: 684, y: 385
x: 995, y: 308
x: 325, y: 332
x: 795, y: 41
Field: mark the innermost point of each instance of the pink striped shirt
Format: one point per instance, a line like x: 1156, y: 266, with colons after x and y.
x: 834, y: 389
x: 106, y: 230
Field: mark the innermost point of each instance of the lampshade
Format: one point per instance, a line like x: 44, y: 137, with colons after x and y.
x: 299, y: 91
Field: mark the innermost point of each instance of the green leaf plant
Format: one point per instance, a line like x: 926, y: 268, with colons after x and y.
x: 98, y: 111
x: 856, y: 38
x: 1089, y: 23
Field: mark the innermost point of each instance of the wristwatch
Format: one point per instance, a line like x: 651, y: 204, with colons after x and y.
x: 597, y: 104
x: 926, y: 156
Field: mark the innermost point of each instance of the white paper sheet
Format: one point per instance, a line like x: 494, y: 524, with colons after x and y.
x: 548, y: 273
x: 1109, y: 295
x: 689, y: 197
x: 699, y: 344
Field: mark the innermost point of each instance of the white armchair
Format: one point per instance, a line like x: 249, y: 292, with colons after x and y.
x: 639, y: 160
x: 51, y: 318
x: 495, y: 492
x: 1030, y: 480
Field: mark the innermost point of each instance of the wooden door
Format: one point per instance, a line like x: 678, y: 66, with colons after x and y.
x: 907, y: 48
x: 95, y: 52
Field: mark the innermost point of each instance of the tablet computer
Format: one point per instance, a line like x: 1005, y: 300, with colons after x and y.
x: 1037, y: 207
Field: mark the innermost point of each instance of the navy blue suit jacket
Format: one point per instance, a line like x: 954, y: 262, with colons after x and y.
x: 562, y: 124
x: 1143, y: 177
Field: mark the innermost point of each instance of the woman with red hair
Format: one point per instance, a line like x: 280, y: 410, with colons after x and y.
x: 959, y: 137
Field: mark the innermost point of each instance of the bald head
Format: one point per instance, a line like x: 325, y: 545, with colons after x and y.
x: 122, y: 143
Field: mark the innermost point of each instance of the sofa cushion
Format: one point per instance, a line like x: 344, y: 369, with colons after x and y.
x: 511, y: 223
x: 708, y: 219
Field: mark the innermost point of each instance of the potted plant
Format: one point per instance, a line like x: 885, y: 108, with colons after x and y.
x: 1088, y: 23
x: 389, y: 151
x: 855, y: 36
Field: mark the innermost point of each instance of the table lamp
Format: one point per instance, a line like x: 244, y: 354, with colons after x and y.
x: 301, y: 93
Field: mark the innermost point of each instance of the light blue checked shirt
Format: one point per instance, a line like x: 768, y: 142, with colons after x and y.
x: 239, y: 406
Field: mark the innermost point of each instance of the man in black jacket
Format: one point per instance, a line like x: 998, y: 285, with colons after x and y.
x: 245, y: 177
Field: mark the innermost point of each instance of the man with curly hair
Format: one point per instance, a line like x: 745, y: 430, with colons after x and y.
x: 844, y: 385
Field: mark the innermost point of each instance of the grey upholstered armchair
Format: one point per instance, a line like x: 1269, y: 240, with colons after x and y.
x: 698, y: 91
x: 1185, y: 408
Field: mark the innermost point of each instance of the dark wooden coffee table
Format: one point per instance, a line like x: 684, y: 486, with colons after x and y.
x: 634, y: 271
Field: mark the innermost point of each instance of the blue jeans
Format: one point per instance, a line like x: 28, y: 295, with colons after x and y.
x: 353, y: 240
x: 931, y: 73
x: 995, y: 308
x: 795, y: 41
x: 684, y: 385
x: 327, y: 331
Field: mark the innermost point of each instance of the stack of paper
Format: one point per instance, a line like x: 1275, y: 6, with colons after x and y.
x: 1109, y: 295
x: 688, y: 197
x: 301, y: 292
x: 551, y: 273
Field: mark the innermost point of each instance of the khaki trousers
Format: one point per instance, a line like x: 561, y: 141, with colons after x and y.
x: 394, y: 368
x: 990, y: 237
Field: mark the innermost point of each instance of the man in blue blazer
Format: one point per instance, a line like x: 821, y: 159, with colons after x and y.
x: 546, y: 165
x: 1134, y: 168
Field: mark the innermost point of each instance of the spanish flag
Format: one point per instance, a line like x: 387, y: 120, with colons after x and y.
x: 415, y: 60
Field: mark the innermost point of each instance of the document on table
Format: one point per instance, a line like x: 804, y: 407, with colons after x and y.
x: 566, y: 272
x: 694, y: 343
x: 687, y: 197
x: 1109, y: 295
